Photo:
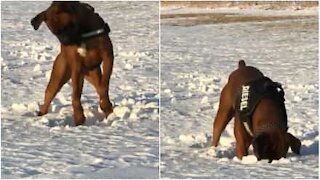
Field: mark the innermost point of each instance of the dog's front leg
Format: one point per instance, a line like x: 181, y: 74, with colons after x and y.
x: 59, y: 76
x: 243, y: 139
x: 77, y: 85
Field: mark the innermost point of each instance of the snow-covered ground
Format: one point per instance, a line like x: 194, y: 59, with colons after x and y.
x: 195, y: 63
x: 126, y: 146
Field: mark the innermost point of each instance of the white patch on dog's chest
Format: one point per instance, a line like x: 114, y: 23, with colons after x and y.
x: 82, y: 50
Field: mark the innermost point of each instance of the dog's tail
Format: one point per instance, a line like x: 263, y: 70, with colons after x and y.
x: 241, y: 64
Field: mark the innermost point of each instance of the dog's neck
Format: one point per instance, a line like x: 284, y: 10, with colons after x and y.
x: 269, y: 127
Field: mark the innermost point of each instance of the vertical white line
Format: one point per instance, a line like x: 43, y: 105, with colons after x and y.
x: 159, y: 64
x: 318, y: 73
x: 1, y: 79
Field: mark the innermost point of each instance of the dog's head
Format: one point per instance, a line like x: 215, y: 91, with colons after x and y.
x: 62, y: 18
x: 274, y: 145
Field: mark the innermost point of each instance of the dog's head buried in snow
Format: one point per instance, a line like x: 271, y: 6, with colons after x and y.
x: 85, y: 44
x: 257, y: 105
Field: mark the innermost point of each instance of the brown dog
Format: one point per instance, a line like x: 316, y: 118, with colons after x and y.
x: 85, y: 44
x: 264, y: 125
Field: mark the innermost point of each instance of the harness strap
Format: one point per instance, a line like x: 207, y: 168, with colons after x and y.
x: 93, y: 33
x: 246, y: 125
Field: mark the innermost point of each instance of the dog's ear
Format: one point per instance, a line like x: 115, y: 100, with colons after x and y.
x: 294, y: 143
x: 38, y: 19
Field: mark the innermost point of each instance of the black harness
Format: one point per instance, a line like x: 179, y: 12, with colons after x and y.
x: 98, y: 32
x: 250, y: 96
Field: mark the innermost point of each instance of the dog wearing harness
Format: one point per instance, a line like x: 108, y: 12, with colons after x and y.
x: 257, y: 105
x: 86, y: 52
x: 251, y: 94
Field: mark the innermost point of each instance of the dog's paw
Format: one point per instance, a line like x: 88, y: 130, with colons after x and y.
x: 109, y: 120
x: 250, y: 159
x: 42, y: 110
x: 39, y: 113
x: 212, y: 152
x: 220, y: 152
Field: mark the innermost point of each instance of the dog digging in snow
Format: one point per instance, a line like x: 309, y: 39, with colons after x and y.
x: 85, y: 45
x: 257, y: 105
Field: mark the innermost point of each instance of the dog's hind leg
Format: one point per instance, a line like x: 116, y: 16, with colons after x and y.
x: 59, y: 76
x: 95, y: 78
x: 107, y: 57
x: 77, y: 85
x: 224, y: 115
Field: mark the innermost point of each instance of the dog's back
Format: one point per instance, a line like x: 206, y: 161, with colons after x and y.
x: 243, y: 75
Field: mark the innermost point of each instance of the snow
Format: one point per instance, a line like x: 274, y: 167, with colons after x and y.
x: 236, y: 10
x: 126, y: 145
x: 196, y: 60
